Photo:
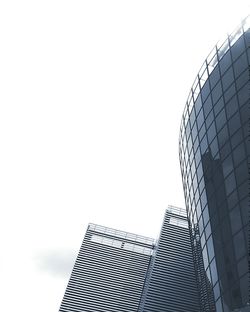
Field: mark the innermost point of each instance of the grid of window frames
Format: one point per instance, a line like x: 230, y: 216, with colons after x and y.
x: 214, y: 153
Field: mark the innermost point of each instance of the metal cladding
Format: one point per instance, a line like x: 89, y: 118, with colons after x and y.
x: 124, y: 272
x: 171, y: 282
x: 214, y: 158
x: 109, y: 272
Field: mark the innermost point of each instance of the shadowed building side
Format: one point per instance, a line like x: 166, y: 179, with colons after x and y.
x: 171, y: 284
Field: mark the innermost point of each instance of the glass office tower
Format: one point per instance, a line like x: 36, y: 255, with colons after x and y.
x: 214, y: 158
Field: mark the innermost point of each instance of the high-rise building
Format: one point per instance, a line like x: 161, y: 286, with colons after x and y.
x: 124, y: 272
x: 215, y: 158
x: 171, y: 284
x: 201, y: 261
x: 109, y: 272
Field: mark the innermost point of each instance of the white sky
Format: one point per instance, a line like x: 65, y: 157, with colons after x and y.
x: 91, y: 99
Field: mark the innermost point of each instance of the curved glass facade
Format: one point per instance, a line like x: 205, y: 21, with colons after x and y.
x: 214, y: 157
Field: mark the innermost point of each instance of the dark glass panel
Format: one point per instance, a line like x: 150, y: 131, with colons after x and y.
x: 187, y: 129
x: 224, y: 219
x: 194, y: 131
x: 211, y: 133
x: 244, y: 207
x: 227, y: 166
x: 225, y: 306
x: 217, y: 177
x: 214, y: 147
x: 242, y: 266
x: 210, y: 119
x: 241, y: 173
x: 240, y: 65
x: 239, y: 154
x: 235, y: 218
x: 225, y: 62
x: 232, y: 106
x: 200, y: 119
x: 223, y: 136
x: 202, y: 131
x: 225, y: 150
x: 236, y: 138
x: 192, y: 117
x: 232, y: 200
x: 244, y: 286
x: 244, y: 77
x: 197, y: 156
x: 236, y: 296
x: 218, y: 106
x: 205, y: 91
x: 229, y: 93
x: 243, y: 190
x: 196, y: 143
x: 230, y: 183
x: 247, y: 38
x: 243, y: 94
x: 228, y: 78
x: 245, y: 111
x: 221, y: 120
x: 198, y: 104
x: 234, y: 124
x: 245, y: 129
x: 207, y: 106
x: 239, y: 245
x: 201, y: 185
x: 220, y: 195
x: 195, y: 183
x: 238, y: 48
x: 199, y: 172
x: 217, y: 92
x: 204, y: 145
x: 214, y: 77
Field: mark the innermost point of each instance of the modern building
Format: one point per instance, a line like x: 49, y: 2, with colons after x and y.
x: 171, y: 284
x: 201, y: 261
x: 124, y: 272
x: 109, y: 272
x: 215, y: 160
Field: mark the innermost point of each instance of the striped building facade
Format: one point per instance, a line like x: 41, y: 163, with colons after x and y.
x: 116, y: 271
x: 109, y: 272
x: 171, y: 285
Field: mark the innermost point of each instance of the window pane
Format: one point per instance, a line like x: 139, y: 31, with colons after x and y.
x: 240, y: 65
x: 230, y: 183
x: 235, y: 218
x: 217, y: 92
x: 228, y: 78
x: 239, y: 245
x: 231, y: 107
